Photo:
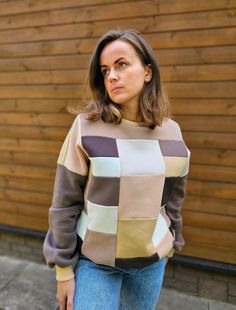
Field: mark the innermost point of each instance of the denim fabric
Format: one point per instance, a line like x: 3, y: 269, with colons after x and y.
x: 100, y: 287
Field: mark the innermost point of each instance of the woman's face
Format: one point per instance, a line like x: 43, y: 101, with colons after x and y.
x: 124, y: 74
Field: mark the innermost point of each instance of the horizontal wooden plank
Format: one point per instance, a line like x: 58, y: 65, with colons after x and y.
x: 215, y: 253
x: 199, y: 106
x: 182, y: 39
x: 210, y: 205
x: 110, y: 11
x: 209, y: 221
x: 82, y: 27
x: 25, y: 196
x: 172, y: 6
x: 213, y: 157
x: 27, y: 184
x: 44, y: 77
x: 29, y: 145
x: 211, y: 189
x: 201, y: 90
x: 213, y: 173
x: 37, y: 105
x: 56, y: 91
x: 24, y: 209
x: 18, y: 158
x: 207, y: 123
x: 196, y: 38
x: 209, y: 236
x: 48, y: 48
x: 30, y: 6
x: 219, y: 72
x: 190, y: 106
x: 174, y: 90
x: 54, y: 62
x: 80, y: 76
x: 29, y: 132
x: 196, y: 55
x: 37, y: 119
x: 32, y: 172
x: 35, y: 223
x: 182, y: 56
x: 209, y: 140
x: 188, y: 123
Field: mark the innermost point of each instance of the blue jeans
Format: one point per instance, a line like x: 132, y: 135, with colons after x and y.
x: 100, y: 287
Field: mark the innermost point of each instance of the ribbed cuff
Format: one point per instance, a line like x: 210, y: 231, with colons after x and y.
x: 64, y: 273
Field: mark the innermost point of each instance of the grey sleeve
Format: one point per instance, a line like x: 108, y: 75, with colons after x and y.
x: 173, y: 209
x: 61, y: 240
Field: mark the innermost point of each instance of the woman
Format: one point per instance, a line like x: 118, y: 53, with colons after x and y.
x: 120, y: 183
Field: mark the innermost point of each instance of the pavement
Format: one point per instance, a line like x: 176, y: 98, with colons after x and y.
x: 25, y: 285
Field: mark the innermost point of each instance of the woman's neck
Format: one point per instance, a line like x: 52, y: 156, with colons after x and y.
x: 130, y: 114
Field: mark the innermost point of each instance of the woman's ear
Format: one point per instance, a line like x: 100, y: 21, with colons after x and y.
x: 148, y: 73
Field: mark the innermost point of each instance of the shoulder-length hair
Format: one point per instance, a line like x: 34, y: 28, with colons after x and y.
x: 153, y: 104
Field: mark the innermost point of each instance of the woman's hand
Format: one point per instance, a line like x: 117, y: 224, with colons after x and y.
x: 65, y: 294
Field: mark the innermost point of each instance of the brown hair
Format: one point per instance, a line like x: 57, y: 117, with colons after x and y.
x: 153, y: 102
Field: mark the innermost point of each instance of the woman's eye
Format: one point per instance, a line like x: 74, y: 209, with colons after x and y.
x: 105, y: 72
x: 122, y: 65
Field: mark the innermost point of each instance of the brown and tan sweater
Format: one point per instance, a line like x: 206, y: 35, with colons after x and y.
x: 117, y: 195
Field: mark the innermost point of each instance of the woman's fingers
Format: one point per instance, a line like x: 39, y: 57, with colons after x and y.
x: 62, y: 304
x: 69, y: 303
x: 65, y: 294
x: 70, y: 295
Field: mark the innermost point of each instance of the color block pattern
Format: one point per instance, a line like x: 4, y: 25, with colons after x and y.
x: 125, y: 193
x: 123, y: 187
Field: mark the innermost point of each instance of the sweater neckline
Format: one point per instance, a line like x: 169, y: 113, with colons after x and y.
x: 127, y: 121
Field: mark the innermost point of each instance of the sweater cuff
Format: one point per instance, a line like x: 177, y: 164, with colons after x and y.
x: 64, y: 273
x: 171, y: 253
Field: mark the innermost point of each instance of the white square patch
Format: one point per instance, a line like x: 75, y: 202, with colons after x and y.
x: 139, y: 157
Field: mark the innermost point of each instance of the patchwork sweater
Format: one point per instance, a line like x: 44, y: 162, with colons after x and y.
x: 117, y: 195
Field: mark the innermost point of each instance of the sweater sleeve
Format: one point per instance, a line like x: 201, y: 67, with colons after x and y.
x: 177, y: 190
x: 173, y: 210
x: 60, y: 244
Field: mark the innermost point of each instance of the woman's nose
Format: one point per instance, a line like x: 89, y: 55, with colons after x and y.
x: 112, y: 75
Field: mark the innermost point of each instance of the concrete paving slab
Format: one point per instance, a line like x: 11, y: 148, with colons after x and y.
x: 9, y: 270
x: 30, y: 286
x: 171, y: 299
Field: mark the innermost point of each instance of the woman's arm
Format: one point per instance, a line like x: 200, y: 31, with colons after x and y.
x: 174, y: 194
x: 60, y: 244
x: 173, y: 210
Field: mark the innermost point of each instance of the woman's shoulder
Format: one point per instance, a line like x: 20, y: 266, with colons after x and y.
x: 170, y: 122
x: 170, y: 129
x: 90, y: 127
x: 82, y: 118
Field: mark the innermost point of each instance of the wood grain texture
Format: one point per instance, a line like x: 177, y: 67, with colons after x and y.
x: 164, y: 7
x: 45, y: 50
x: 116, y: 15
x: 219, y: 201
x: 182, y: 39
x: 182, y: 56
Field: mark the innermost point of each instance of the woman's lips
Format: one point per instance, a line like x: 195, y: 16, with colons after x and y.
x: 116, y: 89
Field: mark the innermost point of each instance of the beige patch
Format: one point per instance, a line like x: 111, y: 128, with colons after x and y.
x: 134, y: 238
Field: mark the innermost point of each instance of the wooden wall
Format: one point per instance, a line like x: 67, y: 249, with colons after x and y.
x: 44, y: 53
